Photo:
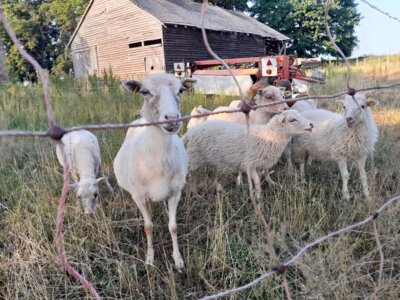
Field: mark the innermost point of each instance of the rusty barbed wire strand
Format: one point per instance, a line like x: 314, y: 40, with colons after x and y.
x: 56, y: 133
x: 21, y: 133
x: 59, y: 228
x: 256, y: 205
x: 61, y: 210
x: 290, y: 262
x: 381, y: 256
x: 35, y: 64
x: 328, y: 32
x: 381, y: 11
x: 281, y: 268
x: 213, y: 54
x: 246, y: 110
x: 286, y: 286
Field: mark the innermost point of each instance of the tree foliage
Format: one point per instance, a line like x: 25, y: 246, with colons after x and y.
x: 303, y: 22
x: 44, y: 28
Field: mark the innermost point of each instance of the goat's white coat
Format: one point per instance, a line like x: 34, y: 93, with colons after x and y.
x: 304, y: 105
x: 339, y: 138
x: 299, y: 106
x: 262, y: 115
x: 83, y: 156
x: 196, y: 121
x: 152, y: 162
x: 265, y: 95
x: 222, y: 145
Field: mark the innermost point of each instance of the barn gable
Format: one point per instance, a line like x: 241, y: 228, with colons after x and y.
x: 135, y: 37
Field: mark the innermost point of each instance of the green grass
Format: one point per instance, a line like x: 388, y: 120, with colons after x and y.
x: 219, y: 234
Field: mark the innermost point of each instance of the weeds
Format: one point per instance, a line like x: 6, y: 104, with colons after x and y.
x: 220, y: 237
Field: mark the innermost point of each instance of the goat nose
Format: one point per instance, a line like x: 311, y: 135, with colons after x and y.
x: 171, y: 117
x: 311, y: 125
x: 349, y: 119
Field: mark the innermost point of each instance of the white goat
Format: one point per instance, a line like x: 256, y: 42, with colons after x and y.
x: 152, y: 162
x: 340, y: 138
x: 262, y: 115
x: 83, y: 156
x: 304, y: 105
x: 299, y: 106
x: 197, y: 111
x: 222, y: 145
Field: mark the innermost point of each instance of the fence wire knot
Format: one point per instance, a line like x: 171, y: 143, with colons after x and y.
x: 280, y: 268
x: 351, y: 91
x: 56, y: 132
x: 375, y: 214
x: 246, y: 107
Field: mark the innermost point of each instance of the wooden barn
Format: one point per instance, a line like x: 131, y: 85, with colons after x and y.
x: 136, y: 37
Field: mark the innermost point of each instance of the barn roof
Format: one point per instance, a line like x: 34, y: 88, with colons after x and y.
x: 188, y: 13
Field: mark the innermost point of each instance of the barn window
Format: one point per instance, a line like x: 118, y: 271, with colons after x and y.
x: 135, y: 45
x: 152, y: 42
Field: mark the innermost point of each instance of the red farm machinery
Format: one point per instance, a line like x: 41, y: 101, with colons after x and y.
x: 279, y: 70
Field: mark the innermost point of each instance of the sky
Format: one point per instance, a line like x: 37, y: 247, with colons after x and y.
x: 377, y: 33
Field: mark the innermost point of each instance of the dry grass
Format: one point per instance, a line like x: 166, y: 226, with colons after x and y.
x: 220, y: 236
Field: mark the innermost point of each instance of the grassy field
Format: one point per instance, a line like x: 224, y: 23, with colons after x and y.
x: 219, y: 234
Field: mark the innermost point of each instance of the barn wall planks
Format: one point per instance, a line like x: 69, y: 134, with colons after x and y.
x: 102, y: 42
x: 186, y: 44
x: 109, y: 27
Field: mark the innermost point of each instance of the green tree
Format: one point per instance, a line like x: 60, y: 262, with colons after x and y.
x: 35, y: 31
x: 66, y: 15
x: 44, y: 27
x: 303, y: 22
x: 229, y: 4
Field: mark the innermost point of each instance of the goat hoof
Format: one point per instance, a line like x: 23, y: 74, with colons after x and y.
x: 180, y: 265
x: 150, y: 258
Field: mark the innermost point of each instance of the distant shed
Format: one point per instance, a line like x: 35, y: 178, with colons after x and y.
x: 136, y: 37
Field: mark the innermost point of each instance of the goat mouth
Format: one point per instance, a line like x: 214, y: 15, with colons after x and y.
x: 308, y: 129
x: 172, y: 129
x: 351, y: 123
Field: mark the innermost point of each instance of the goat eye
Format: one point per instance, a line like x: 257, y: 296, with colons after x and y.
x: 96, y: 195
x: 362, y: 106
x: 344, y: 107
x: 144, y: 92
x: 292, y: 120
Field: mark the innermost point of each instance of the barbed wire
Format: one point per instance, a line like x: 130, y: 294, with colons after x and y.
x: 56, y: 132
x: 282, y: 267
x: 328, y: 4
x: 380, y: 10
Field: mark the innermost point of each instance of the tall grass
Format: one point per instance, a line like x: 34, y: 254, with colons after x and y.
x: 220, y: 236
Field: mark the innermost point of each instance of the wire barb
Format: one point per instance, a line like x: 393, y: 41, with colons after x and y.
x: 56, y: 132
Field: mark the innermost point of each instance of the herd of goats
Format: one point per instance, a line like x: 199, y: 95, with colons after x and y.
x: 153, y: 161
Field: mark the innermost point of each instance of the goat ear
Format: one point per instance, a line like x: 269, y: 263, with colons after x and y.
x: 132, y: 85
x: 281, y: 118
x: 188, y: 83
x: 371, y: 102
x: 100, y: 179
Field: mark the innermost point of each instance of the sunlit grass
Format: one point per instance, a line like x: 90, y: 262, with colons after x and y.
x: 220, y: 237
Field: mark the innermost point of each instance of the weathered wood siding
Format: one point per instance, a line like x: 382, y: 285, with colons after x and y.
x: 102, y: 41
x: 186, y: 44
